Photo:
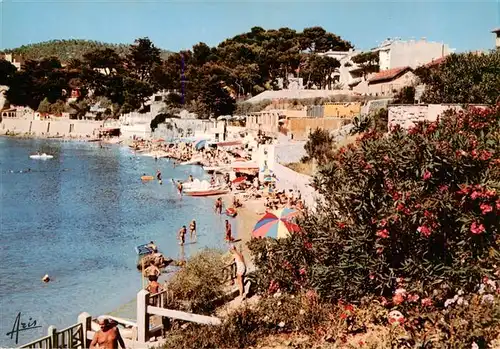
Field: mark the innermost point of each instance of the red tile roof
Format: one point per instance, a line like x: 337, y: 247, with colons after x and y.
x: 435, y: 62
x: 389, y: 74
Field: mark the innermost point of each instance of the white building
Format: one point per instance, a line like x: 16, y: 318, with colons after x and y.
x: 496, y: 31
x: 9, y: 58
x: 349, y: 73
x: 394, y: 53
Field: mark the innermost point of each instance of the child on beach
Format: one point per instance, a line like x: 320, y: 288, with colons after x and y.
x: 192, y: 230
x: 182, y: 235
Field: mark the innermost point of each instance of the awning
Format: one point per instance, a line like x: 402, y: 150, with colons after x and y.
x: 228, y: 143
x: 239, y: 180
x: 245, y: 165
x: 200, y: 144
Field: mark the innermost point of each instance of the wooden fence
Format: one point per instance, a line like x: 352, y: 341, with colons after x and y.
x: 74, y: 336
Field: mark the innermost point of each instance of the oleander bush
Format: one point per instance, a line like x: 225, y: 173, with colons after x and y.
x: 418, y: 208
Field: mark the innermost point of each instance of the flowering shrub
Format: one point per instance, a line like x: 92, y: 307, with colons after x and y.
x: 418, y: 208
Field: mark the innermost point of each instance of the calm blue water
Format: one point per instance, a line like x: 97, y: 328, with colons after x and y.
x: 78, y: 217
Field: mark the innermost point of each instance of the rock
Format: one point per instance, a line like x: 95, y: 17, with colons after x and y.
x: 156, y: 259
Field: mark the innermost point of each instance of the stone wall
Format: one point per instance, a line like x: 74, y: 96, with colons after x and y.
x: 78, y: 128
x: 289, y: 152
x: 407, y: 115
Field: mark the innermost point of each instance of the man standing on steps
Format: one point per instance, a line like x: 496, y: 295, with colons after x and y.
x: 108, y: 337
x: 241, y: 269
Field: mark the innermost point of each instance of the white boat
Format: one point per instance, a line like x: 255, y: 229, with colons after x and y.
x: 212, y: 169
x: 206, y: 192
x: 191, y: 162
x: 41, y: 156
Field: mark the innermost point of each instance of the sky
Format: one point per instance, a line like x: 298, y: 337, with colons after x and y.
x: 177, y: 25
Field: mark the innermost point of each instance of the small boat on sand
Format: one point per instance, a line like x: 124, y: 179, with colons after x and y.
x: 147, y: 178
x: 212, y: 169
x: 41, y: 156
x: 206, y: 192
x: 231, y: 212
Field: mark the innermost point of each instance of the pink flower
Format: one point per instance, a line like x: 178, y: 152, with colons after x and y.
x: 413, y: 297
x: 485, y: 155
x: 443, y: 188
x: 383, y: 223
x: 475, y: 195
x: 398, y: 299
x: 302, y: 271
x: 497, y: 204
x: 485, y: 208
x: 490, y: 193
x: 308, y: 245
x: 341, y: 225
x: 426, y: 302
x: 476, y: 228
x: 384, y: 234
x: 425, y: 231
x: 427, y: 175
x: 371, y: 276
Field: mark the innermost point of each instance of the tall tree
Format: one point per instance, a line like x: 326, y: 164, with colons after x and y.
x: 142, y: 59
x: 7, y: 71
x: 463, y: 78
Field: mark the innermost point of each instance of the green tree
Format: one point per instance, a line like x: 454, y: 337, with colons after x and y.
x: 405, y: 96
x: 144, y: 56
x: 7, y: 72
x: 368, y: 62
x: 463, y: 78
x: 319, y: 146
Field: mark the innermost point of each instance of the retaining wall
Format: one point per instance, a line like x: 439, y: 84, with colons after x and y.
x: 64, y: 127
x: 407, y: 115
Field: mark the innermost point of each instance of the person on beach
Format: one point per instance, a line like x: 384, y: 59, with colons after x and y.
x: 153, y: 287
x: 152, y: 246
x: 158, y: 176
x: 192, y: 230
x: 179, y: 188
x: 191, y: 178
x: 182, y: 235
x: 152, y: 270
x: 229, y: 234
x: 108, y: 337
x: 218, y: 206
x: 241, y: 269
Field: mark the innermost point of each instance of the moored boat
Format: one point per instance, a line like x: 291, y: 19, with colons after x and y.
x: 41, y: 156
x: 206, y: 192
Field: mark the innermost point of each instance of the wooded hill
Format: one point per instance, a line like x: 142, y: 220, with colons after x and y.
x: 65, y: 50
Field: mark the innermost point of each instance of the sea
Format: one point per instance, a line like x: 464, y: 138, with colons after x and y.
x: 78, y: 217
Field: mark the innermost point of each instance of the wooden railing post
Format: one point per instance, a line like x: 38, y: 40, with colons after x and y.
x: 86, y: 320
x: 52, y: 332
x: 142, y: 316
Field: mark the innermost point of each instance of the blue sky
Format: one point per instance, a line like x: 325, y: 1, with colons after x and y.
x: 176, y: 25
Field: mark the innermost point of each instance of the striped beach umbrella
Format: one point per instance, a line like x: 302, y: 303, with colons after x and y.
x: 285, y: 213
x: 272, y: 226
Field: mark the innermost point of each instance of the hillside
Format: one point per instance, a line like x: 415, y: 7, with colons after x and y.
x: 67, y: 49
